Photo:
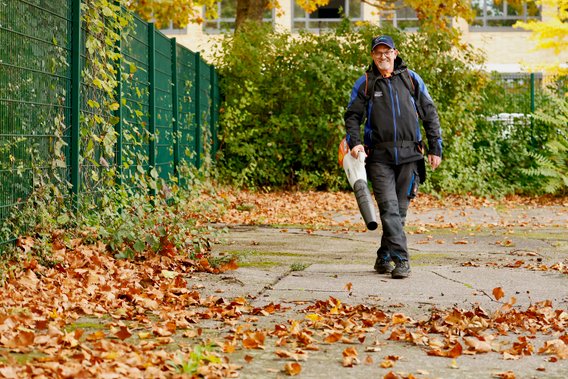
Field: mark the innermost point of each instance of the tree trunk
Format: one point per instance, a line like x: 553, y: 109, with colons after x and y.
x: 249, y: 10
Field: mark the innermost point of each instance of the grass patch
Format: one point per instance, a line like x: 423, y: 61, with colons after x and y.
x: 560, y: 237
x: 259, y: 264
x: 299, y: 266
x: 245, y: 207
x: 21, y: 358
x: 425, y: 256
x: 86, y: 325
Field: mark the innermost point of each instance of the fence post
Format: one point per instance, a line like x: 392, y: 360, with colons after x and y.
x: 152, y: 101
x: 198, y: 110
x: 75, y: 100
x: 213, y: 110
x: 532, y: 107
x: 175, y: 107
x: 532, y: 92
x: 118, y: 113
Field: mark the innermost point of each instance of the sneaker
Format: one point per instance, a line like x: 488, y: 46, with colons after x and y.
x: 401, y: 270
x: 383, y: 266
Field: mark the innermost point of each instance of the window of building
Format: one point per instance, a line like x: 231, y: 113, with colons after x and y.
x: 499, y: 13
x: 227, y: 14
x: 328, y: 16
x: 401, y: 17
x: 174, y: 28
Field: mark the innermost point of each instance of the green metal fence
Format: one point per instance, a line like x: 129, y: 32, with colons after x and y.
x: 169, y: 100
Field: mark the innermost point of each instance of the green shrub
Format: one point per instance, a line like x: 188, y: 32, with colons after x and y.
x: 548, y: 165
x: 285, y: 96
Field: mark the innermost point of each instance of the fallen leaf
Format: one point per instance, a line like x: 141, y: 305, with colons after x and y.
x: 386, y: 364
x: 505, y: 375
x: 123, y: 333
x: 498, y: 293
x: 292, y: 368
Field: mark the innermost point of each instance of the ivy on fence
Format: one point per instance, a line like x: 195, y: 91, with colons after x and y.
x: 91, y: 98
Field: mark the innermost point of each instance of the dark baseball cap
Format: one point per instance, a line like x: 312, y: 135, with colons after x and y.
x: 382, y: 40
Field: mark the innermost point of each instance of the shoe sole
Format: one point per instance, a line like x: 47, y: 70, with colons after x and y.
x: 383, y: 270
x: 400, y: 276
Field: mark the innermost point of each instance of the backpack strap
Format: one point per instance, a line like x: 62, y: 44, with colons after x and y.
x: 369, y: 87
x: 414, y: 92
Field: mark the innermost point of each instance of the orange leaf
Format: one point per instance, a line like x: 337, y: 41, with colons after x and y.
x: 392, y: 357
x: 98, y: 335
x: 22, y: 339
x: 391, y: 375
x: 333, y: 337
x: 498, y: 293
x: 232, y: 265
x: 123, y: 333
x: 250, y: 343
x: 505, y: 375
x: 292, y: 368
x: 228, y: 348
x: 456, y: 351
x: 283, y: 353
x: 350, y: 352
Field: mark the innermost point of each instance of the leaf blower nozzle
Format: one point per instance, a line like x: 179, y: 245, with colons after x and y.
x: 365, y: 203
x: 357, y: 176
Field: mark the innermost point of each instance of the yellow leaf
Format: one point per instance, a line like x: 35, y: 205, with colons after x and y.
x: 314, y: 317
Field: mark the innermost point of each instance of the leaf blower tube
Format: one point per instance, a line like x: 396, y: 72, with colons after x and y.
x: 357, y: 177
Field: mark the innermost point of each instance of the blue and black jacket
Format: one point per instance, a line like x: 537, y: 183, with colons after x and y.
x: 391, y: 114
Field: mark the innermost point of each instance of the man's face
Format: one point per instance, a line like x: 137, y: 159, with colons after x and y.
x: 384, y: 57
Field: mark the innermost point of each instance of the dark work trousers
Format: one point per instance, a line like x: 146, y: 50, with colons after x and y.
x: 393, y: 186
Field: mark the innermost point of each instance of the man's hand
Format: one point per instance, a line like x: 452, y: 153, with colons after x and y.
x: 356, y: 149
x: 434, y: 161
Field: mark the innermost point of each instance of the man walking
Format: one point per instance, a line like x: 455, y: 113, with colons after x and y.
x: 392, y: 99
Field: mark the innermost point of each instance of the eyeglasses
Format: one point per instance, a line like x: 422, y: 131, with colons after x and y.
x: 384, y: 54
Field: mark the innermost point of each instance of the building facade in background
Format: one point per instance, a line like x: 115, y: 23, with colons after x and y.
x: 507, y: 49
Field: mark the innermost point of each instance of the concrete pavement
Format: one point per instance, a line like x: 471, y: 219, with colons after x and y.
x: 458, y: 257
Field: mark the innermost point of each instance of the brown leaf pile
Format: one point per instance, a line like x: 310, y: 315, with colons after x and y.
x: 317, y: 209
x: 139, y: 306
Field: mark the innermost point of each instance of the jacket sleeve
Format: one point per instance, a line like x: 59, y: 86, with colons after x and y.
x: 429, y: 116
x: 355, y: 113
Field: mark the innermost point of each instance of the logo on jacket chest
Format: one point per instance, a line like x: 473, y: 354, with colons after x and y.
x: 378, y: 94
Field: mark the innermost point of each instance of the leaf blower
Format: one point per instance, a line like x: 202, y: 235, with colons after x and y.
x: 357, y: 177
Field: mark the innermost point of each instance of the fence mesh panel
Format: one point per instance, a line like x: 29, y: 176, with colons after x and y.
x: 34, y: 97
x: 35, y: 104
x: 163, y: 107
x: 136, y: 102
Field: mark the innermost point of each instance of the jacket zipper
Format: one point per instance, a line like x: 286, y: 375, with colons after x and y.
x: 393, y: 119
